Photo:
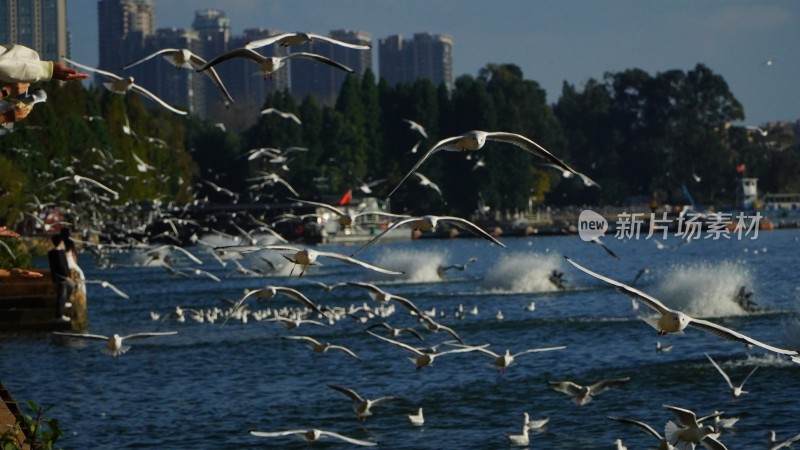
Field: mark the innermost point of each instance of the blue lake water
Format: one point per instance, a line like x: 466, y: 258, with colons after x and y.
x: 207, y: 386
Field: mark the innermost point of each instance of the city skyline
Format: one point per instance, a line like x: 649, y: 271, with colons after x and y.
x: 551, y: 41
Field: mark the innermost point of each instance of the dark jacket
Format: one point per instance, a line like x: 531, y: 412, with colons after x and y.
x: 59, y: 268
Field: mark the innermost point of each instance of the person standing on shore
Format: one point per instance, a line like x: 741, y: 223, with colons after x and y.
x: 59, y: 270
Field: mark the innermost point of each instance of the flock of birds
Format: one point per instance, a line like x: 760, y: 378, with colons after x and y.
x: 256, y: 236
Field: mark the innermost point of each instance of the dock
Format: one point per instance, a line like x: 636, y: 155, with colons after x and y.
x: 10, y: 414
x: 29, y: 304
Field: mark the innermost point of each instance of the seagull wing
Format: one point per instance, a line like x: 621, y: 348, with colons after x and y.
x: 321, y: 59
x: 95, y: 337
x: 647, y: 428
x: 317, y: 37
x: 150, y: 56
x: 464, y: 349
x: 321, y: 205
x: 349, y: 260
x: 276, y: 433
x: 604, y: 385
x: 212, y: 73
x: 113, y: 76
x: 537, y: 350
x: 297, y: 295
x: 156, y: 99
x: 417, y: 127
x: 436, y: 147
x: 727, y: 333
x: 8, y: 249
x: 627, y: 290
x: 185, y: 252
x: 471, y: 227
x: 304, y: 338
x: 536, y: 149
x: 425, y: 181
x: 408, y: 304
x: 605, y: 247
x: 391, y: 227
x: 258, y: 43
x: 567, y: 387
x: 684, y: 416
x: 114, y: 288
x: 347, y: 439
x: 748, y: 376
x: 344, y: 349
x: 719, y: 369
x: 712, y: 444
x: 414, y: 350
x: 235, y: 53
x: 79, y: 178
x: 348, y: 392
x: 151, y: 334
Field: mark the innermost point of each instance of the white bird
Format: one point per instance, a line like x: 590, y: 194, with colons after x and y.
x: 346, y: 219
x: 363, y: 406
x: 323, y: 347
x: 285, y: 115
x: 269, y: 64
x: 690, y: 431
x: 300, y: 38
x: 505, y: 360
x: 79, y: 179
x: 519, y: 440
x: 429, y: 223
x: 673, y: 321
x: 115, y: 345
x: 381, y: 296
x: 106, y: 284
x: 313, y: 435
x: 662, y: 348
x: 120, y: 85
x: 416, y: 419
x: 736, y: 391
x: 425, y: 357
x: 620, y: 445
x: 425, y: 181
x: 537, y: 424
x: 475, y: 140
x: 582, y: 395
x: 308, y: 257
x: 185, y: 58
x: 416, y: 127
x: 760, y: 130
x: 141, y: 166
x: 774, y: 444
x: 663, y: 444
x: 436, y: 327
x: 395, y: 332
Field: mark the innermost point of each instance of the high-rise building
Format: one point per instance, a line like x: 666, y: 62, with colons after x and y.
x: 123, y: 27
x: 427, y: 55
x: 38, y: 24
x: 321, y: 80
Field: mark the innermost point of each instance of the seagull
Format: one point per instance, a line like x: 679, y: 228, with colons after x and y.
x: 363, y: 409
x: 141, y: 166
x: 395, y: 332
x: 537, y: 424
x: 736, y: 391
x: 106, y: 284
x: 774, y: 444
x: 285, y: 115
x: 313, y: 435
x: 300, y: 38
x: 519, y: 440
x: 79, y: 179
x: 416, y: 419
x: 429, y: 223
x: 366, y: 187
x: 269, y: 64
x: 475, y: 140
x: 346, y: 219
x: 308, y: 257
x: 662, y: 348
x: 416, y: 127
x: 423, y: 356
x: 425, y: 181
x: 436, y: 327
x: 462, y: 267
x: 322, y: 348
x: 760, y: 130
x: 620, y: 445
x: 662, y: 442
x: 381, y: 296
x: 582, y: 395
x: 184, y: 58
x: 691, y: 431
x: 269, y: 292
x: 672, y: 321
x: 505, y: 360
x: 120, y: 85
x: 115, y: 346
x: 605, y: 247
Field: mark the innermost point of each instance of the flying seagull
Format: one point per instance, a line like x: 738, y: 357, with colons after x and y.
x: 300, y: 38
x: 672, y: 321
x: 115, y: 345
x: 269, y: 64
x: 313, y: 435
x: 475, y: 140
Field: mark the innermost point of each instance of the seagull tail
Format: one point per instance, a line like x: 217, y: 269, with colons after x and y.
x: 672, y: 432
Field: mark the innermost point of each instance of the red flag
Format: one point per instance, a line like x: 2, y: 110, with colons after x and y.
x: 346, y: 198
x: 740, y: 168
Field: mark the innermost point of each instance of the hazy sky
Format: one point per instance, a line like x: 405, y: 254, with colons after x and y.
x: 551, y: 40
